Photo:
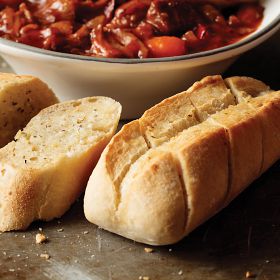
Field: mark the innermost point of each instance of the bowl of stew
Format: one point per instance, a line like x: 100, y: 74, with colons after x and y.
x: 135, y: 51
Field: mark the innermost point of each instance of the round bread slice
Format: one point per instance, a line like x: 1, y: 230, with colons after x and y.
x: 21, y: 98
x: 46, y: 167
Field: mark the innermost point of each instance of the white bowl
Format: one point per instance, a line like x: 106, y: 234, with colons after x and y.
x: 136, y: 84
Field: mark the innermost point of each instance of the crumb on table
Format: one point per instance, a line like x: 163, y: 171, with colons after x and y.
x: 148, y: 250
x: 45, y: 256
x: 40, y: 238
x: 249, y: 274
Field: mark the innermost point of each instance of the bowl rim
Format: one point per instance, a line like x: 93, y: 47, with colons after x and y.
x: 247, y: 40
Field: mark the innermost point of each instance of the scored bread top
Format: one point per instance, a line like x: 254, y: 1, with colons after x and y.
x: 21, y: 98
x: 186, y: 109
x: 201, y: 142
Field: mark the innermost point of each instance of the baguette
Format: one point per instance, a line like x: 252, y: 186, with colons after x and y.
x: 47, y: 166
x: 188, y: 158
x: 21, y: 98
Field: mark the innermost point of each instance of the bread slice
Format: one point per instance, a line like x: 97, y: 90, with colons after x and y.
x: 268, y: 110
x: 46, y: 168
x: 152, y: 199
x: 21, y: 98
x: 204, y: 186
x: 184, y: 173
x: 244, y: 134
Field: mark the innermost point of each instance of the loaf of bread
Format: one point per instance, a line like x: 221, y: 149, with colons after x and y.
x: 185, y: 159
x: 21, y: 98
x: 46, y: 167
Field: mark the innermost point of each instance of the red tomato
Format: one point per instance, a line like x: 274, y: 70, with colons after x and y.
x: 250, y: 14
x: 165, y: 46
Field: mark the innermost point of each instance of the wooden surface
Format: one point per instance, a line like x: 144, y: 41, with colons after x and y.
x: 243, y: 237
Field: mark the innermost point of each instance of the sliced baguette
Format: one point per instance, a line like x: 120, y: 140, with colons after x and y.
x: 47, y: 166
x: 215, y: 160
x: 21, y: 98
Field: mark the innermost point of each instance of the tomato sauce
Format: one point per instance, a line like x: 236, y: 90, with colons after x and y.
x: 128, y: 29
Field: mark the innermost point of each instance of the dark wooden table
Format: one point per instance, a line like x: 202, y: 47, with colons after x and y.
x: 243, y: 237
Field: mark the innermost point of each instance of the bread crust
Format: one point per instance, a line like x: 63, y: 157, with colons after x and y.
x: 204, y: 186
x: 268, y: 110
x: 244, y: 132
x: 152, y: 199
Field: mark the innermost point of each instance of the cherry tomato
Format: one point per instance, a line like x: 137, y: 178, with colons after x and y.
x: 165, y: 46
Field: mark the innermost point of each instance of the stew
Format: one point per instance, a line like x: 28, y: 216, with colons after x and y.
x: 128, y: 29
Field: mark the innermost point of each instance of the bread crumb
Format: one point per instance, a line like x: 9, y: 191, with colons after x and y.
x: 180, y: 272
x: 148, y: 250
x: 249, y: 274
x: 45, y: 256
x: 40, y: 238
x: 86, y: 232
x: 60, y: 230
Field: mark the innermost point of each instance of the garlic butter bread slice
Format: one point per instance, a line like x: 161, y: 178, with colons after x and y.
x: 46, y: 167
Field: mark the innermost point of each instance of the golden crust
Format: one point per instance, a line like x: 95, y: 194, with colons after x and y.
x: 202, y: 151
x: 268, y: 110
x: 151, y: 199
x: 245, y: 137
x: 124, y: 149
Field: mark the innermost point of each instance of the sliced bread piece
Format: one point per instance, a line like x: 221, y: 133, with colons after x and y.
x: 244, y: 132
x: 21, y: 98
x: 268, y: 109
x: 46, y: 168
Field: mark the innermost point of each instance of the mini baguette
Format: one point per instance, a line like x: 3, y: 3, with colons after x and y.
x: 21, y: 98
x: 199, y: 149
x: 47, y: 167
